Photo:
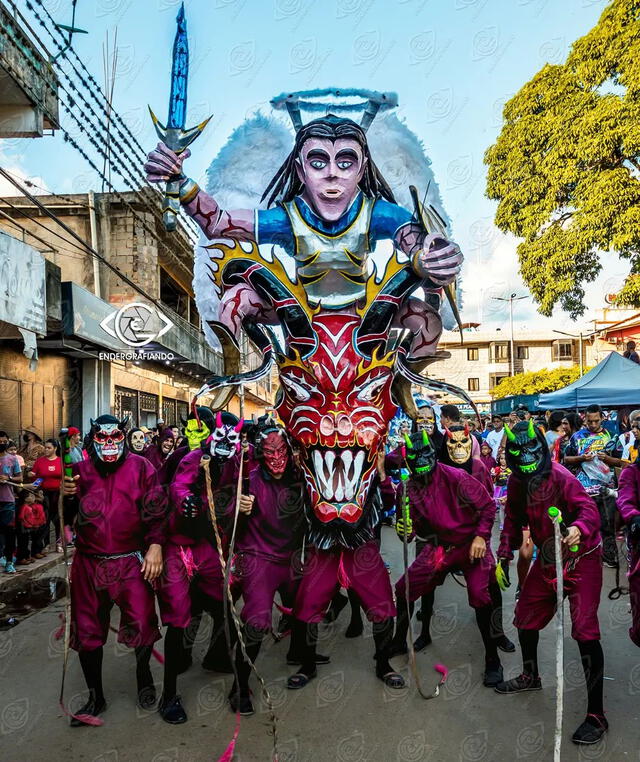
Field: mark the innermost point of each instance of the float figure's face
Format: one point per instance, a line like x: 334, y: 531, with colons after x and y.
x: 330, y: 172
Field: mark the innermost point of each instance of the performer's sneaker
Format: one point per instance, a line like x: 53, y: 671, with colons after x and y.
x: 171, y: 710
x: 93, y: 708
x: 591, y: 730
x: 241, y: 705
x: 294, y: 661
x: 301, y: 679
x: 493, y: 674
x: 391, y: 678
x: 519, y: 684
x: 506, y: 645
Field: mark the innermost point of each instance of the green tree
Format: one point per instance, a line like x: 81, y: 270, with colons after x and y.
x: 536, y: 382
x: 566, y: 166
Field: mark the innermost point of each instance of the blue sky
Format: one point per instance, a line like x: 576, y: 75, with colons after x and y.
x: 453, y: 64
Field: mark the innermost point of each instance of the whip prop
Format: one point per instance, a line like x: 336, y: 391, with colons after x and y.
x: 444, y: 672
x: 86, y: 719
x: 227, y: 756
x: 558, y: 533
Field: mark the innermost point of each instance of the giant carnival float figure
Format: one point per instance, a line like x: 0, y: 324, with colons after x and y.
x: 296, y: 273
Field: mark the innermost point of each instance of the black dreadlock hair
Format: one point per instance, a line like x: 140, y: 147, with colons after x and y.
x: 286, y: 185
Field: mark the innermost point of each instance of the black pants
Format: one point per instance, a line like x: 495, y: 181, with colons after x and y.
x: 29, y: 543
x: 607, y: 509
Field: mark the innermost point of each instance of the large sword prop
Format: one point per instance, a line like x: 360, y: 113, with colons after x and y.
x: 431, y: 222
x: 174, y: 135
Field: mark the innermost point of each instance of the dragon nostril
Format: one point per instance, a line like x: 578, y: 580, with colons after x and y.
x: 344, y: 425
x: 327, y: 425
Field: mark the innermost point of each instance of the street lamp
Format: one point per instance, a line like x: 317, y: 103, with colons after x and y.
x: 512, y: 298
x: 578, y: 336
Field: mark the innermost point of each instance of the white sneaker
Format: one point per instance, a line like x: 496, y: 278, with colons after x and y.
x: 9, y: 568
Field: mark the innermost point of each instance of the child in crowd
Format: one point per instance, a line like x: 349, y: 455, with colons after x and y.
x: 30, y: 521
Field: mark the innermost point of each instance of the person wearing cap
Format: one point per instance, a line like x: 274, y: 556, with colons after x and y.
x: 76, y: 455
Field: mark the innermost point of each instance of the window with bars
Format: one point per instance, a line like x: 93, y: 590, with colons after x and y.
x: 473, y: 353
x: 126, y: 404
x: 500, y: 352
x: 473, y: 384
x: 562, y: 349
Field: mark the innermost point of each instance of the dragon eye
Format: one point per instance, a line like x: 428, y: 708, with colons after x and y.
x: 295, y: 389
x: 371, y: 388
x: 515, y: 452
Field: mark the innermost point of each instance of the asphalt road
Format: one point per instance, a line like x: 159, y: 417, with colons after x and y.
x: 345, y: 715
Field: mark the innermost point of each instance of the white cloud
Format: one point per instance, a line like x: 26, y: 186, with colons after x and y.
x: 492, y: 270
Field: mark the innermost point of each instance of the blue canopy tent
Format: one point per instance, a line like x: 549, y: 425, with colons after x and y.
x: 614, y: 382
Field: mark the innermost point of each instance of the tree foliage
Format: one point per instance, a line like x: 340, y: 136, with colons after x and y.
x: 537, y: 381
x: 565, y: 168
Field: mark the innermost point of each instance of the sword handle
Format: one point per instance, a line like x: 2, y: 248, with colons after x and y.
x: 171, y: 205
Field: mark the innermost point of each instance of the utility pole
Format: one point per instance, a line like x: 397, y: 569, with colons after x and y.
x: 511, y: 299
x: 580, y: 336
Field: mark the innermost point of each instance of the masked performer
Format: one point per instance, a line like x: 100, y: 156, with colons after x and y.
x: 629, y: 507
x: 119, y: 537
x: 269, y: 544
x: 191, y: 556
x: 534, y: 486
x: 197, y: 429
x: 136, y: 441
x: 456, y: 513
x: 159, y: 451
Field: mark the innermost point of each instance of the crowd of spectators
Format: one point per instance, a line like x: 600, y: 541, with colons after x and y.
x: 31, y: 473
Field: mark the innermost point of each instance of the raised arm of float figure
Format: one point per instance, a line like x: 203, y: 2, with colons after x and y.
x: 163, y: 164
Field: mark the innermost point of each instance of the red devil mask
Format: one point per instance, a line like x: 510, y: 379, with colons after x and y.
x: 336, y: 405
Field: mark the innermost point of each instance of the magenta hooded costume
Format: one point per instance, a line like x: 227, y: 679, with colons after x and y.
x: 120, y: 515
x: 449, y: 511
x: 269, y: 544
x: 153, y: 452
x: 528, y: 503
x: 190, y: 551
x: 629, y: 507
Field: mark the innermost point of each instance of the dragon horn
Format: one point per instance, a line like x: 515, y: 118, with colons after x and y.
x: 407, y: 440
x: 425, y: 437
x: 448, y: 433
x: 218, y: 420
x: 466, y: 429
x: 510, y: 435
x: 238, y: 426
x: 531, y: 430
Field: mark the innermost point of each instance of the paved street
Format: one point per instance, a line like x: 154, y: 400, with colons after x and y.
x: 344, y: 715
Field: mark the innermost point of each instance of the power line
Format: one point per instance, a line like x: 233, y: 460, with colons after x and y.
x: 111, y: 115
x: 81, y: 241
x: 23, y: 211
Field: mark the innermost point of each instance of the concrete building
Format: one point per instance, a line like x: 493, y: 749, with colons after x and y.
x: 484, y: 359
x: 28, y: 84
x: 80, y: 360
